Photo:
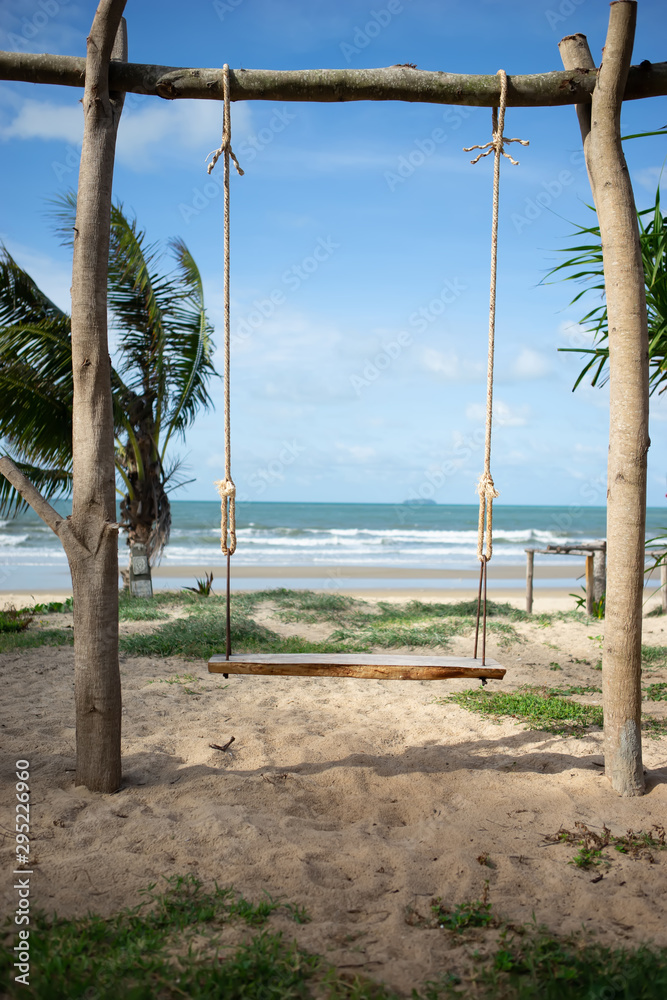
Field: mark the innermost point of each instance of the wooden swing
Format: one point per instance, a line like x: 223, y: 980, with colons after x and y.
x: 376, y: 666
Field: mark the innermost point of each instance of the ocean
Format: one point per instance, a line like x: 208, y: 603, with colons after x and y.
x: 312, y: 535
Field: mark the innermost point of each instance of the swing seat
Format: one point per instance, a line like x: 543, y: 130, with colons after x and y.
x: 365, y: 665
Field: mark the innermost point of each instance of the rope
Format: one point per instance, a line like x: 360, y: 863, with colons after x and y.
x: 226, y: 487
x: 485, y: 487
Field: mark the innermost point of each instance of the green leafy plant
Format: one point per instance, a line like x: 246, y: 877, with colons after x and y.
x: 53, y: 607
x: 598, y: 605
x: 12, y: 620
x: 586, y: 268
x: 656, y: 692
x: 203, y: 587
x: 464, y: 915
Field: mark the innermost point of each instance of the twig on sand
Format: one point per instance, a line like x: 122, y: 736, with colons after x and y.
x: 214, y: 746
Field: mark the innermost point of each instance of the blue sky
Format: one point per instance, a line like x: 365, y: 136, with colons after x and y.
x: 360, y: 258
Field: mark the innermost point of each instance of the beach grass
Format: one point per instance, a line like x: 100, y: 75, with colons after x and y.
x: 32, y: 638
x: 546, y: 709
x: 656, y: 692
x: 540, y: 708
x: 173, y: 945
x: 654, y: 656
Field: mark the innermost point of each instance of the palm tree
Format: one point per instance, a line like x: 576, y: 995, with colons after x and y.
x: 159, y: 381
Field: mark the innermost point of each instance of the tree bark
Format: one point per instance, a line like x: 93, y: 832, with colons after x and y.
x: 628, y: 406
x: 95, y: 577
x: 392, y: 83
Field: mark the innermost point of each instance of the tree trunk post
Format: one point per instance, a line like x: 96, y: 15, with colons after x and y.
x: 628, y: 404
x: 95, y: 577
x: 530, y: 560
x: 663, y: 585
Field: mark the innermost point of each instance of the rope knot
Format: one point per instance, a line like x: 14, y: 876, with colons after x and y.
x: 486, y: 487
x: 226, y: 488
x: 226, y: 141
x: 497, y: 144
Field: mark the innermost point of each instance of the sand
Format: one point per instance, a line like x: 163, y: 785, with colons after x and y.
x: 361, y: 800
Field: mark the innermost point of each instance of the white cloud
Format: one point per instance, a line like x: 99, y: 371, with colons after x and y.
x: 503, y: 414
x: 360, y: 454
x: 151, y: 131
x: 649, y: 177
x: 530, y: 364
x: 45, y: 120
x: 451, y: 367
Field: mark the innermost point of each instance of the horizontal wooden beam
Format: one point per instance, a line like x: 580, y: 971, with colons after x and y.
x: 392, y: 83
x: 373, y: 666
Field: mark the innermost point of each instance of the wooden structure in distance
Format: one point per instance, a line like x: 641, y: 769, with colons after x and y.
x: 596, y: 569
x: 365, y: 665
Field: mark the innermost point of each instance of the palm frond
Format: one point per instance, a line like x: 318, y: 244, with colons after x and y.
x: 51, y: 483
x: 35, y: 370
x: 586, y: 267
x: 188, y: 347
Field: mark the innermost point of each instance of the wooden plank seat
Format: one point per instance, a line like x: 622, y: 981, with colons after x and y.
x: 378, y: 666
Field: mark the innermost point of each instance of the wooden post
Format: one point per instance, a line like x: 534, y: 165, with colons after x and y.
x: 600, y: 571
x: 590, y: 584
x: 628, y: 397
x: 530, y: 559
x: 663, y: 584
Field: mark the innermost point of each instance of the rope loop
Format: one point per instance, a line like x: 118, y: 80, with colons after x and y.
x: 227, y: 491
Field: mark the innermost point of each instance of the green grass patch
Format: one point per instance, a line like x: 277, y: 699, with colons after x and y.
x: 536, y: 707
x: 167, y: 947
x: 566, y: 692
x: 172, y: 946
x: 202, y: 635
x: 654, y: 656
x: 12, y: 621
x: 536, y: 965
x: 463, y: 916
x: 592, y: 843
x: 53, y: 607
x: 654, y: 728
x: 156, y: 608
x: 656, y: 692
x: 9, y: 642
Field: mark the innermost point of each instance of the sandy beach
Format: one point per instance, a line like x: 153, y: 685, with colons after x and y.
x: 361, y: 800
